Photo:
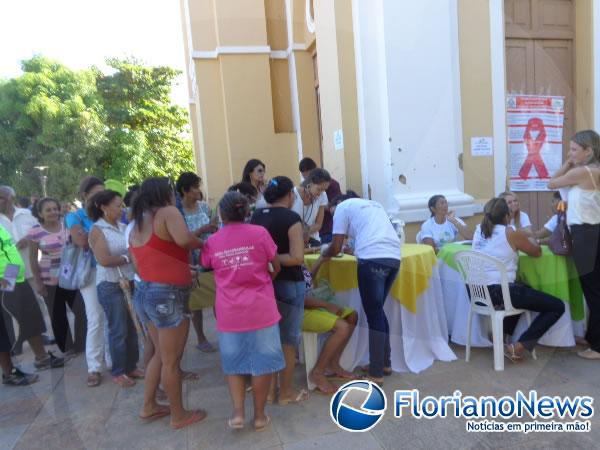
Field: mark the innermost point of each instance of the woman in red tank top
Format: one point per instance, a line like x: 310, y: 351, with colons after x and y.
x: 160, y: 243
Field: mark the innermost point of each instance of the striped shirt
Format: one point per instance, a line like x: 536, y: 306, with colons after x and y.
x: 51, y: 246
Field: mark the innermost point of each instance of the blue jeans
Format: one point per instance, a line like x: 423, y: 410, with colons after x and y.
x: 122, y: 336
x: 290, y: 302
x: 375, y: 279
x: 165, y: 305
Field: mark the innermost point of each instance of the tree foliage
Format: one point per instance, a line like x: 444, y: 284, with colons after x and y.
x: 119, y: 125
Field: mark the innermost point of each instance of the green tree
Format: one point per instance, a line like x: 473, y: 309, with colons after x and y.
x: 50, y: 116
x: 120, y: 125
x: 147, y: 134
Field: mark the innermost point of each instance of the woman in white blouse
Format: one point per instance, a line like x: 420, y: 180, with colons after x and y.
x: 581, y: 174
x: 310, y: 203
x: 519, y: 220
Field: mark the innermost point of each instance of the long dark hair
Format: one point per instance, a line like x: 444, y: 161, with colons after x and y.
x: 495, y: 211
x: 249, y: 167
x: 154, y: 193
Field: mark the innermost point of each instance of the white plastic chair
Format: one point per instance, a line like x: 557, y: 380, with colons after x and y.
x: 310, y: 344
x: 472, y: 266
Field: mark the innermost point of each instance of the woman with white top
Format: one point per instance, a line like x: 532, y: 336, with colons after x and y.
x: 581, y: 173
x: 519, y: 220
x: 443, y: 226
x: 107, y: 241
x: 310, y: 203
x: 495, y: 238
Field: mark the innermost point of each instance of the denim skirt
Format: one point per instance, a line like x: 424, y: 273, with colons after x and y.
x: 255, y: 353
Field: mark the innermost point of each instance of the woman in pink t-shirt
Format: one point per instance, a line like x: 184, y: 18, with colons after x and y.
x: 247, y: 315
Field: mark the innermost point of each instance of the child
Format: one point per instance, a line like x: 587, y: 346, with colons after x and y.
x: 322, y: 315
x: 247, y: 315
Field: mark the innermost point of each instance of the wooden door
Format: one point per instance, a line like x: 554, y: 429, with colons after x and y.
x: 539, y: 61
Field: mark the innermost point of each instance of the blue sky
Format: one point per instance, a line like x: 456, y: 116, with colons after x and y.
x: 81, y: 33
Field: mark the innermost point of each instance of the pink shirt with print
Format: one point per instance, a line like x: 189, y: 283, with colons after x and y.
x: 240, y: 255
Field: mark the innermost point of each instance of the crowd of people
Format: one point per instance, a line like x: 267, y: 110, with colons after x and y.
x: 145, y: 264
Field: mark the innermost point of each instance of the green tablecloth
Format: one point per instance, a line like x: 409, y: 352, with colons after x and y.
x: 552, y: 274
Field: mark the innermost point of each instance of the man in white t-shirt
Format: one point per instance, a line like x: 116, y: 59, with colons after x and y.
x: 377, y: 249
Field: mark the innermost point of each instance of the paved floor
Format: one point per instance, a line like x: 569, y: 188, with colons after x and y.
x: 60, y: 412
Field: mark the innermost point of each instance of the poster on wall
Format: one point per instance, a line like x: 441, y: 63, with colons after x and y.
x: 535, y: 138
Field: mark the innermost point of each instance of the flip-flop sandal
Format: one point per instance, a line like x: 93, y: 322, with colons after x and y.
x: 264, y: 426
x: 197, y: 416
x: 326, y: 393
x: 341, y: 377
x: 302, y: 396
x: 509, y: 352
x: 235, y: 424
x: 387, y: 371
x: 156, y: 415
x: 189, y: 376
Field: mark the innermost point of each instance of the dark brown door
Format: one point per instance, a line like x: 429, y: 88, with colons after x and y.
x: 539, y: 61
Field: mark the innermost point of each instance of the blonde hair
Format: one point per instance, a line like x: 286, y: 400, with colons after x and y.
x: 518, y: 214
x: 588, y: 139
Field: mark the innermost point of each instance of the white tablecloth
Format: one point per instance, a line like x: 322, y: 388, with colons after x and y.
x: 417, y: 340
x: 456, y: 302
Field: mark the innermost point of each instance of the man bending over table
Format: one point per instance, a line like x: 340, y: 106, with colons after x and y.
x: 377, y: 250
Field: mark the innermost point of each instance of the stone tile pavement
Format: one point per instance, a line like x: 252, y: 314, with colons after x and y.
x: 60, y: 412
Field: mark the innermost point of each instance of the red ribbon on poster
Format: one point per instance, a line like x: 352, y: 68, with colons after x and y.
x: 534, y: 147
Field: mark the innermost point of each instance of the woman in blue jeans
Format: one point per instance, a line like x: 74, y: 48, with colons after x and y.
x: 107, y: 241
x: 494, y: 237
x: 377, y: 249
x: 285, y: 227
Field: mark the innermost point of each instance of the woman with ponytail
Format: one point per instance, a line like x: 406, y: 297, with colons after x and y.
x: 494, y: 237
x: 285, y: 227
x: 244, y: 258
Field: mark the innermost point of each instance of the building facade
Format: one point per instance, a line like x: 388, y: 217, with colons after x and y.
x: 385, y: 94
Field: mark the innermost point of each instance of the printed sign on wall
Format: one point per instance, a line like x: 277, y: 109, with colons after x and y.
x: 535, y: 138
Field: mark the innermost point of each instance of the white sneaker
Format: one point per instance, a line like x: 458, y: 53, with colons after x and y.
x: 589, y: 354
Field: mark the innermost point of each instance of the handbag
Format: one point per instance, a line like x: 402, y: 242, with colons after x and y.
x: 560, y: 239
x: 75, y: 266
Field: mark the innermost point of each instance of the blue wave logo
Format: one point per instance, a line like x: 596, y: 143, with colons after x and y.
x: 358, y: 406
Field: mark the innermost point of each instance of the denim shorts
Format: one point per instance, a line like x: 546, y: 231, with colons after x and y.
x: 165, y: 305
x: 290, y: 302
x: 255, y: 353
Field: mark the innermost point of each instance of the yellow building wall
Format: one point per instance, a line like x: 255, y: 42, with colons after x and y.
x: 476, y: 94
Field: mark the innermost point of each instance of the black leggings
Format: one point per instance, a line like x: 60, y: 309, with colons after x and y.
x: 56, y: 302
x: 586, y: 253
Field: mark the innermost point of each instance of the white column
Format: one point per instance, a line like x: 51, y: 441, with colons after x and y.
x: 411, y: 122
x: 497, y: 52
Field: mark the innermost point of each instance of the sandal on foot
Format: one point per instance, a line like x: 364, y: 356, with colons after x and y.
x: 264, y: 426
x: 94, y: 379
x: 124, y: 381
x: 302, y: 396
x: 196, y: 416
x: 189, y: 376
x: 387, y: 371
x: 341, y: 376
x: 235, y: 424
x: 163, y: 411
x: 138, y: 374
x: 509, y: 352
